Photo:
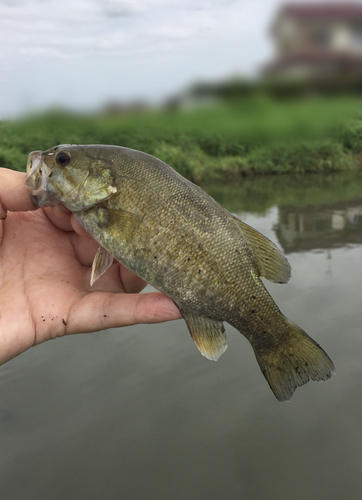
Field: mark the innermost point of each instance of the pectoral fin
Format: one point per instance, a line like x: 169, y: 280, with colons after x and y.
x: 101, y: 262
x: 272, y: 264
x: 208, y: 335
x: 117, y: 222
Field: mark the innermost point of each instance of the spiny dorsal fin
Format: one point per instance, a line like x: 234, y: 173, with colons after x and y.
x: 101, y: 262
x: 272, y: 264
x: 208, y: 335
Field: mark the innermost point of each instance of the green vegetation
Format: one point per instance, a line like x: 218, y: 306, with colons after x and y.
x: 250, y: 136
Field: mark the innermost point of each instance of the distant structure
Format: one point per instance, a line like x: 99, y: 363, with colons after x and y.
x: 320, y: 43
x: 323, y: 227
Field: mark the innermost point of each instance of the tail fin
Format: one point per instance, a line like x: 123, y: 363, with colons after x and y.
x: 293, y: 363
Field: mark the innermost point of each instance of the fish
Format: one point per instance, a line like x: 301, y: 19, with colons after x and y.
x: 176, y: 237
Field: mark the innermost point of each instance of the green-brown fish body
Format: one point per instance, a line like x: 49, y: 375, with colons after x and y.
x: 172, y: 234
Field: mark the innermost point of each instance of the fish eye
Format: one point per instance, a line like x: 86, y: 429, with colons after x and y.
x: 63, y: 158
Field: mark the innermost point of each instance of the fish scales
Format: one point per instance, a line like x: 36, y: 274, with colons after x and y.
x: 182, y: 267
x: 171, y: 270
x: 172, y: 234
x: 188, y: 264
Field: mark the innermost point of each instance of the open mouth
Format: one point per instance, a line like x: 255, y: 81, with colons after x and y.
x: 34, y: 160
x: 37, y: 179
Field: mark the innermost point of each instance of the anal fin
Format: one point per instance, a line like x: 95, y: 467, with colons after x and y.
x: 101, y: 262
x: 208, y: 335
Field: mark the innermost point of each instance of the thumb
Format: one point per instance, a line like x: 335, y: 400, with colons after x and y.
x: 14, y: 195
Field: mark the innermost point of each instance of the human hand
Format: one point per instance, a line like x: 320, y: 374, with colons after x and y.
x: 45, y: 267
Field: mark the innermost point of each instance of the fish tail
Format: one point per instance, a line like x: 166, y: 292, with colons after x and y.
x: 293, y: 363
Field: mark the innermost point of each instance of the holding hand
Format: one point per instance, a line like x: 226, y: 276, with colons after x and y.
x: 45, y: 269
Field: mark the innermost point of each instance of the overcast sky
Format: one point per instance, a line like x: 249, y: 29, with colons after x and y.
x: 81, y: 53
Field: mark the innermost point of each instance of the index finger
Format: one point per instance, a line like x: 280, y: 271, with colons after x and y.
x: 14, y: 195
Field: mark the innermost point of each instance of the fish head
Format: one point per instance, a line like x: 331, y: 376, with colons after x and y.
x: 77, y: 176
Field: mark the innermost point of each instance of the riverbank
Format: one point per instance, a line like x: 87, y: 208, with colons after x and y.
x: 249, y: 137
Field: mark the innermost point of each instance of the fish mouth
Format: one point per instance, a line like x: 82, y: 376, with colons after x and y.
x: 34, y: 160
x: 37, y: 180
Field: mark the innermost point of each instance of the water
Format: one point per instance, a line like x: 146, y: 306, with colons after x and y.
x: 138, y: 413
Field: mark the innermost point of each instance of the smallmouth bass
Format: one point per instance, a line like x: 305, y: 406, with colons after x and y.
x: 172, y: 234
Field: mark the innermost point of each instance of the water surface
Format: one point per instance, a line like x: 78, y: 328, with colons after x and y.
x: 138, y: 413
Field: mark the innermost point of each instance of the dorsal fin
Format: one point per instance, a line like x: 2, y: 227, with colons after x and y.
x: 272, y: 263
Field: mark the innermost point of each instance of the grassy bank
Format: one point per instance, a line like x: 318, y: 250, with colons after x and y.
x: 249, y: 137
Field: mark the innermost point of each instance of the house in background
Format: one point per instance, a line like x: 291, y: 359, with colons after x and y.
x: 318, y: 227
x: 319, y: 43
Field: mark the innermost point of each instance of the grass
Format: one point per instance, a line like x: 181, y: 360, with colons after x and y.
x: 248, y: 137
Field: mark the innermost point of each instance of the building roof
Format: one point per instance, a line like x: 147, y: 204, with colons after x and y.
x: 323, y: 11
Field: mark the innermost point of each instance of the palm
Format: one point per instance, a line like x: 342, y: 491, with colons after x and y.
x: 49, y: 272
x: 45, y: 285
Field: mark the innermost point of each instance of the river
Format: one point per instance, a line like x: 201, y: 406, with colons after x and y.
x: 138, y: 414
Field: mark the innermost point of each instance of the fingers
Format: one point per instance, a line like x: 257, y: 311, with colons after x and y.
x: 3, y: 215
x: 99, y: 311
x: 78, y: 228
x: 64, y: 219
x: 3, y: 212
x: 84, y: 248
x: 14, y: 196
x: 59, y: 215
x: 131, y: 282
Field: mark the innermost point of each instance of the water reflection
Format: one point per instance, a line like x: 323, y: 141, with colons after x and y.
x: 318, y: 227
x: 137, y: 413
x: 313, y: 212
x: 258, y: 195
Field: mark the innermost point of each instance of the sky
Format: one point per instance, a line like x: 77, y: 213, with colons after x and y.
x: 83, y: 53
